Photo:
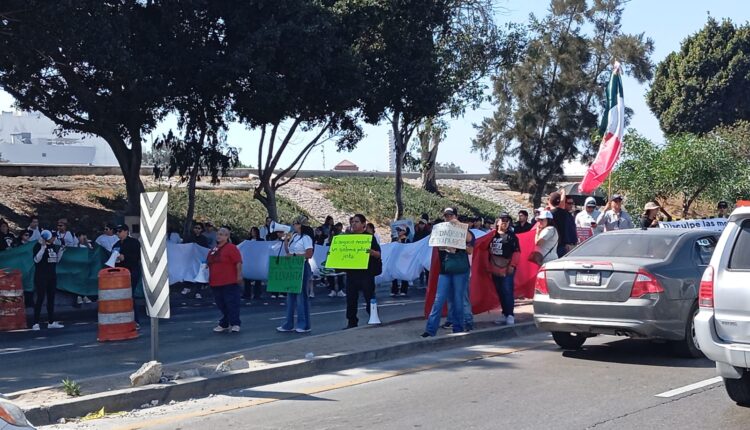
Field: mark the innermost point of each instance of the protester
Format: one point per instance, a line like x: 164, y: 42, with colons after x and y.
x: 403, y: 237
x: 421, y: 230
x: 370, y: 229
x: 564, y: 223
x: 85, y: 243
x: 46, y: 256
x: 320, y: 237
x: 523, y: 225
x: 546, y: 239
x: 722, y: 209
x: 34, y: 228
x: 614, y: 216
x: 107, y: 239
x: 225, y: 278
x: 327, y: 226
x: 309, y: 232
x: 64, y: 237
x: 129, y: 257
x: 298, y: 244
x: 489, y: 224
x: 265, y: 230
x: 7, y: 239
x: 25, y: 237
x: 362, y: 280
x: 338, y: 229
x: 453, y: 283
x: 504, y: 254
x: 650, y: 217
x: 173, y: 236
x: 587, y: 218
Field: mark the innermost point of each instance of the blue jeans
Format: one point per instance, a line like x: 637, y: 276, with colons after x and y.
x: 465, y: 311
x: 504, y: 289
x: 301, y: 303
x: 227, y: 299
x: 450, y: 288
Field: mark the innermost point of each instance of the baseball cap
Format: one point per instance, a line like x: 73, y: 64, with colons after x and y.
x: 590, y: 201
x: 544, y: 215
x: 504, y: 215
x: 449, y: 211
x: 122, y: 227
x: 46, y: 234
x: 617, y: 197
x: 723, y: 204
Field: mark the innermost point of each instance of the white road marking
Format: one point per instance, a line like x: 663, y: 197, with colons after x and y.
x: 384, y: 305
x: 8, y: 351
x: 691, y: 387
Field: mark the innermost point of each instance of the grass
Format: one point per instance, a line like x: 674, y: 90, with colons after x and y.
x: 374, y: 198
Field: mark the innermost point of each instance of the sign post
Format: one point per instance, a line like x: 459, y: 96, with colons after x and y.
x: 154, y: 261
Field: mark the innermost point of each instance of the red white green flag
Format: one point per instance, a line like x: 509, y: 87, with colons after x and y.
x: 612, y: 128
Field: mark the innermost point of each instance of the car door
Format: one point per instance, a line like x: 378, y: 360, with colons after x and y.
x: 732, y: 285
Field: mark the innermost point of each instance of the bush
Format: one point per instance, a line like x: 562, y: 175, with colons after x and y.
x: 373, y: 197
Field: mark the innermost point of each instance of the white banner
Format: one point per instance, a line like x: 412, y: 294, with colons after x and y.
x: 713, y: 224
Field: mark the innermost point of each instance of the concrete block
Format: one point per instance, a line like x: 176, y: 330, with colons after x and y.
x: 149, y: 373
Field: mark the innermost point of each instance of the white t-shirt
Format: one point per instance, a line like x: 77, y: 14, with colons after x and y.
x: 584, y: 220
x: 66, y: 239
x: 548, y: 248
x: 107, y: 242
x: 299, y: 243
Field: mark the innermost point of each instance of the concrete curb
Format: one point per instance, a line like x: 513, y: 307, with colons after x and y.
x: 180, y: 390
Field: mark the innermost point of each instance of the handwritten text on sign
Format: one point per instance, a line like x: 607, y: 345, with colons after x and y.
x: 285, y: 274
x: 447, y: 234
x: 715, y: 224
x: 349, y: 251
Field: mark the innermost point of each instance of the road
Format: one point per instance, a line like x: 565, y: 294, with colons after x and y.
x: 525, y: 383
x: 43, y: 358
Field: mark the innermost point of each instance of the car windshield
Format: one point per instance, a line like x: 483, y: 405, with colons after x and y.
x: 619, y: 245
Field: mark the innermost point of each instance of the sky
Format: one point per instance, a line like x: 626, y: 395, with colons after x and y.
x: 667, y: 22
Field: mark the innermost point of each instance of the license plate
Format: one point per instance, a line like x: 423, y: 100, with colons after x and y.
x: 594, y: 279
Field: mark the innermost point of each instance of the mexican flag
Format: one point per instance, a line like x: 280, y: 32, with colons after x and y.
x: 612, y: 127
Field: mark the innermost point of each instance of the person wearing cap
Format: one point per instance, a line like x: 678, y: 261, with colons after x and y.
x: 545, y: 239
x: 403, y: 237
x: 587, y: 217
x: 63, y: 237
x: 650, y: 217
x: 129, y: 257
x: 46, y: 256
x: 523, y: 225
x: 452, y: 287
x: 421, y: 230
x: 615, y: 217
x: 722, y: 209
x: 361, y: 279
x: 504, y: 255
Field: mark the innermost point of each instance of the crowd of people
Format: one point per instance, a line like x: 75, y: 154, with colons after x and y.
x: 557, y: 228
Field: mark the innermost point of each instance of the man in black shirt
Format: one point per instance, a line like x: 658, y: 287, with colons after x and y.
x: 564, y: 221
x: 129, y: 257
x: 523, y: 225
x: 363, y: 279
x: 197, y: 236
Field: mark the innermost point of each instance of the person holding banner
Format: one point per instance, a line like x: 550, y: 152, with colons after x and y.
x: 225, y: 279
x: 504, y: 255
x: 586, y: 219
x: 361, y: 279
x: 298, y: 244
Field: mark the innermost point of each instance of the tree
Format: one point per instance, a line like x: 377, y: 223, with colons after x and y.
x: 448, y: 168
x: 110, y: 82
x: 706, y: 83
x: 430, y: 135
x: 549, y: 100
x: 423, y: 59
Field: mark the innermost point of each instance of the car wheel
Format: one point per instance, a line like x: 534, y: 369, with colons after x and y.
x: 689, y: 347
x: 567, y: 340
x: 739, y: 389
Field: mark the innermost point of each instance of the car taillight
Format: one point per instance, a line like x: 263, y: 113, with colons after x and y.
x: 645, y: 283
x: 540, y: 286
x: 706, y: 291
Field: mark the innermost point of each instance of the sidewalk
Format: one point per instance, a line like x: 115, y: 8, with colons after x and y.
x: 267, y: 364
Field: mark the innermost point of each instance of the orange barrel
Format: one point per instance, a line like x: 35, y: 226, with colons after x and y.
x: 12, y: 309
x: 116, y: 317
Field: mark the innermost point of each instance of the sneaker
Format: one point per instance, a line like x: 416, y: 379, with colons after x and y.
x: 273, y: 296
x: 393, y: 294
x: 79, y: 300
x: 402, y: 294
x: 235, y: 329
x: 86, y: 299
x: 301, y: 330
x: 425, y: 334
x: 341, y: 293
x: 447, y: 325
x: 185, y: 291
x: 332, y: 294
x: 55, y: 324
x: 220, y: 329
x: 501, y: 320
x: 510, y: 320
x: 311, y: 295
x: 36, y: 327
x: 281, y: 329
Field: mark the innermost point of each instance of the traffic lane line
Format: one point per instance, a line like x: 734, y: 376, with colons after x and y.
x: 478, y: 353
x: 9, y: 351
x: 690, y: 387
x: 337, y: 311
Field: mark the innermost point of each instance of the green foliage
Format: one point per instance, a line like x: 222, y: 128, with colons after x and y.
x: 706, y: 83
x: 549, y: 100
x: 373, y: 197
x: 71, y: 388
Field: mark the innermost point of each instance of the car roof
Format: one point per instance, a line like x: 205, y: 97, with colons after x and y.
x: 741, y: 212
x: 664, y: 232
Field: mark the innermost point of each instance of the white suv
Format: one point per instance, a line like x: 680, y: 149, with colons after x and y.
x: 722, y: 325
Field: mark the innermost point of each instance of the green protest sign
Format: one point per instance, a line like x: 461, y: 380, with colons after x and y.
x: 349, y: 251
x: 285, y: 274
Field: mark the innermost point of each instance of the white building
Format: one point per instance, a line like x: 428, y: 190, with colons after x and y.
x: 30, y: 138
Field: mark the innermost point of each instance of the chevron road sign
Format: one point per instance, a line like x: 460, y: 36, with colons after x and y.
x: 154, y: 253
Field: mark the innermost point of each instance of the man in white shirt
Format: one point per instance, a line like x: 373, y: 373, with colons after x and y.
x: 587, y: 218
x: 63, y: 237
x: 34, y: 231
x: 108, y: 239
x: 615, y: 217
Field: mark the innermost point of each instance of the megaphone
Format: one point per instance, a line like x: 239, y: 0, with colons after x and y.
x: 374, y: 319
x: 280, y: 227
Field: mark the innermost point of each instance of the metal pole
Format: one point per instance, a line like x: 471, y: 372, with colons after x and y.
x: 154, y: 339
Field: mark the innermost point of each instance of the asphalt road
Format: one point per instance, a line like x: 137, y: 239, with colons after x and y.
x: 525, y: 383
x: 36, y: 359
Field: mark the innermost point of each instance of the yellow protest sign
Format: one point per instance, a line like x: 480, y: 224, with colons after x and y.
x: 349, y: 251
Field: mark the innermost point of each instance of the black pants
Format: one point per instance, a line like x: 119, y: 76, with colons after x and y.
x: 404, y: 286
x: 45, y: 286
x: 356, y: 282
x: 135, y: 277
x: 336, y: 283
x: 253, y: 290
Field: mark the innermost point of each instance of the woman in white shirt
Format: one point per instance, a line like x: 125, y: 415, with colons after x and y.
x: 546, y: 238
x: 298, y: 244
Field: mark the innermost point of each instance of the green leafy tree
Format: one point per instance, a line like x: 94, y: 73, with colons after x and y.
x: 706, y: 83
x: 550, y: 99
